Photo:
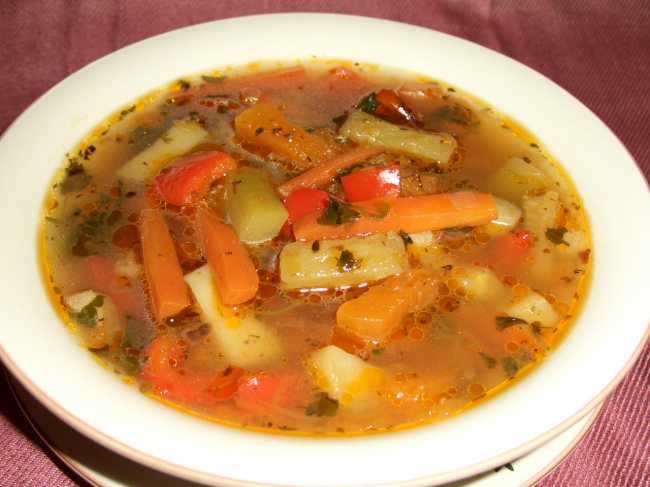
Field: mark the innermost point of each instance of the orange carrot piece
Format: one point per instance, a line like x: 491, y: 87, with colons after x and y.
x: 324, y: 173
x: 234, y: 272
x: 411, y: 214
x: 167, y: 289
x: 265, y: 126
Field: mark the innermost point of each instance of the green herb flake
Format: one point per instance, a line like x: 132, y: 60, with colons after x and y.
x: 322, y: 406
x: 406, y: 238
x: 457, y: 114
x: 348, y: 170
x: 504, y: 322
x: 340, y: 120
x: 489, y: 361
x: 315, y: 246
x: 556, y: 235
x: 76, y: 178
x: 338, y: 213
x: 510, y: 366
x: 369, y: 103
x: 381, y: 210
x: 88, y: 314
x: 378, y: 351
x: 347, y: 262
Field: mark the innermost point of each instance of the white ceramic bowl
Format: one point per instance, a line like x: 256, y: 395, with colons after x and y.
x: 46, y: 359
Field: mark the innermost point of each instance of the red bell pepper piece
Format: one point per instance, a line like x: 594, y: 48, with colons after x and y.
x: 263, y: 391
x: 302, y: 201
x: 508, y: 253
x: 103, y: 280
x: 371, y: 183
x: 188, y: 179
x: 164, y: 368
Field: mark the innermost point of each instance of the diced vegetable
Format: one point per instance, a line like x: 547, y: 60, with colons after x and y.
x: 343, y: 376
x: 534, y: 308
x: 391, y: 107
x: 371, y: 183
x: 104, y: 279
x: 480, y: 283
x: 253, y: 208
x: 542, y: 212
x: 303, y: 201
x: 265, y: 126
x: 167, y: 289
x: 368, y: 130
x: 242, y: 339
x: 165, y: 368
x: 507, y: 253
x: 508, y: 216
x: 517, y: 178
x: 420, y: 239
x: 187, y: 180
x: 234, y: 272
x: 323, y: 174
x: 410, y: 214
x: 98, y: 320
x: 378, y: 313
x: 178, y: 140
x: 335, y: 263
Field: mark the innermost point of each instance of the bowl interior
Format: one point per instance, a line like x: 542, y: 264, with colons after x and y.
x: 43, y: 355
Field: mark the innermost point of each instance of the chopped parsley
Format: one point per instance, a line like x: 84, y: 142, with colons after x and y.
x: 347, y: 262
x: 510, y: 366
x: 76, y: 178
x: 88, y: 314
x: 378, y: 351
x: 556, y: 235
x: 368, y: 103
x: 322, y: 406
x: 457, y: 114
x: 337, y: 213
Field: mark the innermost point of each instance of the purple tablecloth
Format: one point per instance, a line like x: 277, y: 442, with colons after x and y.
x: 598, y: 50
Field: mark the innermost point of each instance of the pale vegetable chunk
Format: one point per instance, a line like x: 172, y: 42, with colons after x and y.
x: 517, y: 178
x: 343, y: 376
x: 96, y: 317
x: 541, y: 212
x: 368, y: 130
x: 480, y: 283
x: 243, y: 340
x: 178, y: 140
x: 252, y: 206
x: 534, y: 308
x: 335, y: 263
x: 508, y: 215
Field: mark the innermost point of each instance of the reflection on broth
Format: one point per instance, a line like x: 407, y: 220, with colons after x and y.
x: 319, y: 248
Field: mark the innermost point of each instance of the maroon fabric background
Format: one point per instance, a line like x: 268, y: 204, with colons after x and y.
x: 598, y: 50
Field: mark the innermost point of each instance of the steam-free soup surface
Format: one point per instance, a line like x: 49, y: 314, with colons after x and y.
x: 322, y: 248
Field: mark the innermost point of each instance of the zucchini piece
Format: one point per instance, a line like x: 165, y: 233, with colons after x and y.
x: 368, y: 130
x: 336, y: 263
x: 252, y: 206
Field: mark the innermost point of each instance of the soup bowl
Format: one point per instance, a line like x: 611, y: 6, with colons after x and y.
x: 592, y: 359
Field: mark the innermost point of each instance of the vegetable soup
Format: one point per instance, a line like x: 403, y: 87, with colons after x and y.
x: 323, y: 248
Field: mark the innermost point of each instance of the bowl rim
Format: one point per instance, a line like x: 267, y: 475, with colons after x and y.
x: 186, y: 472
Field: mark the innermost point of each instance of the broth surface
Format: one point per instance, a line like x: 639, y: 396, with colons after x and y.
x: 360, y: 314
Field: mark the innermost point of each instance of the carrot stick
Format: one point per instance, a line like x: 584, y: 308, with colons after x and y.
x: 167, y: 288
x: 264, y: 126
x: 323, y: 174
x: 410, y: 214
x: 234, y: 273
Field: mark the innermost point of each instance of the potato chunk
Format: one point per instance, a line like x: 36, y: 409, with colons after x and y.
x: 243, y: 340
x: 534, y: 308
x: 335, y: 263
x: 343, y: 376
